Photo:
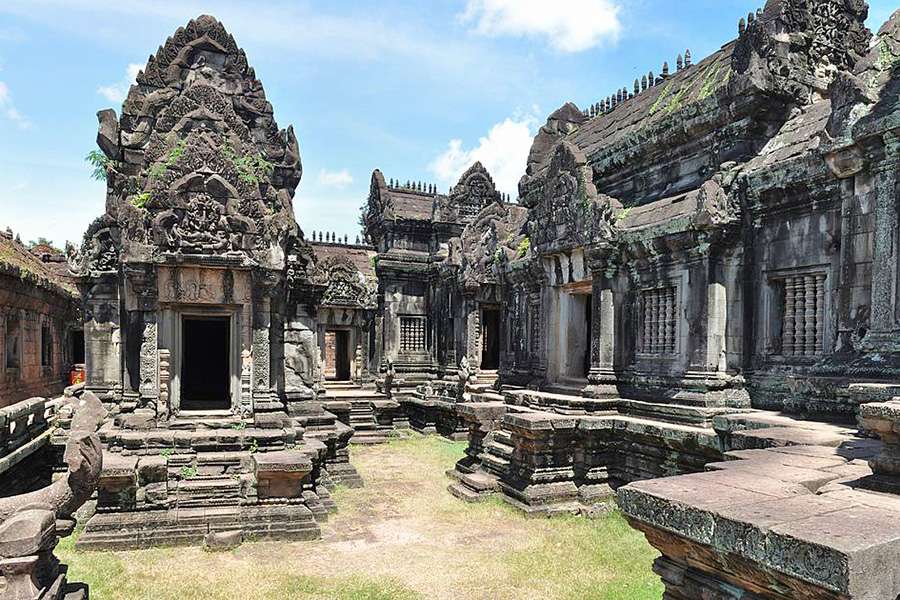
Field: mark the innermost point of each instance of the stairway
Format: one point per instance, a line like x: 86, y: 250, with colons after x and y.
x: 361, y: 408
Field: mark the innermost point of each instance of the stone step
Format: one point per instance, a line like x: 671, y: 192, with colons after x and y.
x: 206, y: 492
x: 502, y: 436
x: 494, y: 464
x: 499, y: 449
x: 480, y: 481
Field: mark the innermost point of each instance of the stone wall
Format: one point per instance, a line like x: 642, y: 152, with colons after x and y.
x: 27, y: 312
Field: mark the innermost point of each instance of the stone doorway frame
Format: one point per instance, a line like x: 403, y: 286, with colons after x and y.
x: 178, y: 315
x: 350, y: 334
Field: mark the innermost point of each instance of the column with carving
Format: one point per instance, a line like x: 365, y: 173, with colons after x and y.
x: 143, y: 298
x: 820, y: 313
x: 787, y: 343
x: 264, y: 283
x: 799, y: 316
x: 809, y: 314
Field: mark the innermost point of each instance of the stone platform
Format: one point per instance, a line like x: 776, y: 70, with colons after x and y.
x: 549, y: 453
x: 175, y: 482
x: 789, y: 522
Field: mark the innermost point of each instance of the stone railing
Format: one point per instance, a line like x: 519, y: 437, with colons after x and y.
x: 31, y: 524
x: 24, y: 429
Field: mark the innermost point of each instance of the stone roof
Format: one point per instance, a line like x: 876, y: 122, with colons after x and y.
x: 19, y: 262
x: 410, y: 205
x: 671, y: 95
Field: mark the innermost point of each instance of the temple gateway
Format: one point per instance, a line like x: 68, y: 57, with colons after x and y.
x: 689, y: 312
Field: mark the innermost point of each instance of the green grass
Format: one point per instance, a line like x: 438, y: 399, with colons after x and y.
x: 415, y: 541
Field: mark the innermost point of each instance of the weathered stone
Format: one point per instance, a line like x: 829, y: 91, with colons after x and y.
x: 222, y: 541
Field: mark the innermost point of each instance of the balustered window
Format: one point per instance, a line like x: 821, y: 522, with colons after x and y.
x: 657, y: 321
x: 802, y: 314
x: 412, y: 334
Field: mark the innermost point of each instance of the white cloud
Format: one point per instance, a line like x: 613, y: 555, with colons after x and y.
x: 9, y: 110
x: 568, y: 25
x: 503, y: 152
x: 117, y: 92
x: 335, y: 179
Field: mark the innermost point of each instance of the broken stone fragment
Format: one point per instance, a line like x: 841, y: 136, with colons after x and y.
x: 222, y: 541
x: 108, y: 134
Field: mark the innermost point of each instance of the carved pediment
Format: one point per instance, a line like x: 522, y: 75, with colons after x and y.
x: 567, y: 210
x: 197, y: 164
x: 473, y: 192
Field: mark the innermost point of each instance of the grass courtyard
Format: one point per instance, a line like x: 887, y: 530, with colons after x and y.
x: 402, y: 536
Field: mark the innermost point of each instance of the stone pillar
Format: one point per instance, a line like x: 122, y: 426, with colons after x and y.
x: 142, y: 297
x: 263, y: 286
x: 882, y: 334
x: 473, y: 332
x: 717, y: 320
x: 602, y: 376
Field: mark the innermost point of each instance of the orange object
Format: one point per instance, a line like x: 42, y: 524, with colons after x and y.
x: 77, y: 375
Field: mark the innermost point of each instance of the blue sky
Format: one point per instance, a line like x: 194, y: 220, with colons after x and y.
x: 419, y: 90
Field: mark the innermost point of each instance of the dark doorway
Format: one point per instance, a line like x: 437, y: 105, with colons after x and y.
x: 78, y: 347
x: 342, y: 355
x: 490, y: 340
x: 204, y: 363
x: 588, y: 306
x: 337, y: 355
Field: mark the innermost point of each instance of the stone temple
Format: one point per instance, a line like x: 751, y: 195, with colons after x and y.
x: 690, y: 312
x: 201, y: 300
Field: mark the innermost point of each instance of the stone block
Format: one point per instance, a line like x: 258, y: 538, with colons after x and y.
x: 281, y: 474
x: 152, y: 469
x: 222, y: 541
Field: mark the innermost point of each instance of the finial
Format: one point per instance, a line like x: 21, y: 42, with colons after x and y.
x: 357, y: 240
x: 742, y: 26
x: 679, y: 62
x: 345, y: 239
x: 665, y: 73
x: 750, y: 18
x: 652, y: 78
x: 637, y: 87
x: 644, y: 83
x: 688, y: 61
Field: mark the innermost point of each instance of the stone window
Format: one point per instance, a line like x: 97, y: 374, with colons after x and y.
x: 46, y: 346
x: 412, y: 334
x: 802, y: 302
x: 13, y: 342
x: 657, y: 322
